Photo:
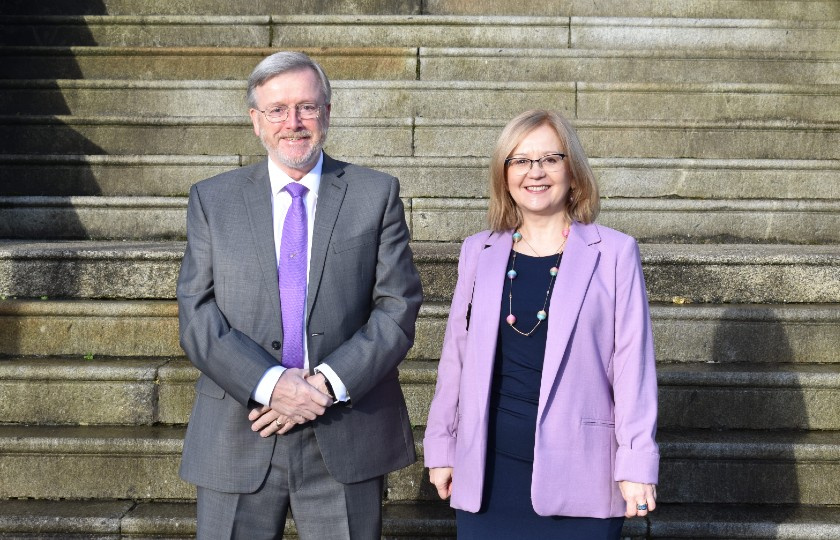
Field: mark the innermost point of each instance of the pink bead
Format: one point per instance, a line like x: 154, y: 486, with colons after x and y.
x: 511, y: 319
x: 565, y: 233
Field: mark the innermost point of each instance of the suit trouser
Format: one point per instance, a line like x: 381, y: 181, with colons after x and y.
x: 298, y: 480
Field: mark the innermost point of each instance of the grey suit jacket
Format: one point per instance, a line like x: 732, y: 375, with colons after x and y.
x: 363, y: 298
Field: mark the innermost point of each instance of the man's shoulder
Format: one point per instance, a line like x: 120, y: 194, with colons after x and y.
x: 352, y: 172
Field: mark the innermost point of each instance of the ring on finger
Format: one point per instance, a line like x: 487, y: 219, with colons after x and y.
x: 279, y: 423
x: 641, y: 507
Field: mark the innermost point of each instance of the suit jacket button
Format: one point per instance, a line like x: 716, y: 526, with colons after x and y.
x: 275, y: 345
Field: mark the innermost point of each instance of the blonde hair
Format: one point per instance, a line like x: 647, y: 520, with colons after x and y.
x: 582, y: 202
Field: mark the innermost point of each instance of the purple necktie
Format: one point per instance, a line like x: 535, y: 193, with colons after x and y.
x: 292, y: 276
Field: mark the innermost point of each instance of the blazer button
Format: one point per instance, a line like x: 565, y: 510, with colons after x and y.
x: 275, y: 345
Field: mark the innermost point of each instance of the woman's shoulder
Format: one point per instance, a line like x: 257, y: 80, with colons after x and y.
x: 606, y: 238
x: 479, y: 238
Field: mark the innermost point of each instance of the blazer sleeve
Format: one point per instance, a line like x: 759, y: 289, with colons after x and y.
x: 442, y: 424
x: 231, y: 359
x: 377, y: 348
x: 634, y: 379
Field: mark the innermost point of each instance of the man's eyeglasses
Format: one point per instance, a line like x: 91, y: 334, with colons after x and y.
x: 549, y: 163
x: 279, y: 113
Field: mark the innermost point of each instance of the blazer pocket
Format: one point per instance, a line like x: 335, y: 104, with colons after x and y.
x: 596, y: 422
x: 209, y: 388
x: 344, y: 244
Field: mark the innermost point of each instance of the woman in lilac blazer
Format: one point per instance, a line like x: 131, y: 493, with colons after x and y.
x: 544, y: 414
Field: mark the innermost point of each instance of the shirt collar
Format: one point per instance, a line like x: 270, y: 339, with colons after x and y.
x: 279, y: 179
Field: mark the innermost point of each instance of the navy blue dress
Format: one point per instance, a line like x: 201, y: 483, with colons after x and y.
x: 506, y: 510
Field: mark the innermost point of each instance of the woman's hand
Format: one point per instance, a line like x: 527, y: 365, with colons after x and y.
x: 636, y: 495
x: 441, y: 477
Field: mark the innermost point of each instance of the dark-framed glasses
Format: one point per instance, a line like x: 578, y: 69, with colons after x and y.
x: 279, y: 113
x: 522, y: 165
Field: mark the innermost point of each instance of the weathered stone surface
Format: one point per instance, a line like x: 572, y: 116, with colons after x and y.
x: 715, y: 9
x: 649, y: 33
x: 738, y: 467
x: 427, y: 31
x: 167, y: 176
x: 630, y: 66
x: 749, y: 467
x: 639, y: 139
x: 658, y: 220
x: 78, y: 391
x: 143, y: 218
x: 187, y: 136
x: 714, y: 102
x: 111, y: 328
x: 92, y: 462
x: 92, y: 270
x: 22, y: 517
x: 351, y: 99
x: 217, y: 63
x: 81, y: 175
x: 735, y: 273
x: 130, y: 31
x: 721, y: 521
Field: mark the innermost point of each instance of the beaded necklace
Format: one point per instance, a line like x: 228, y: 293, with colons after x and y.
x: 511, y: 274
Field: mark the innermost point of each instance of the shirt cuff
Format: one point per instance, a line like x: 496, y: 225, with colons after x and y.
x: 262, y: 393
x: 337, y: 386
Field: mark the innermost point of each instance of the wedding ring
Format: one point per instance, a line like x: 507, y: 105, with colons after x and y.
x: 641, y: 506
x: 281, y: 424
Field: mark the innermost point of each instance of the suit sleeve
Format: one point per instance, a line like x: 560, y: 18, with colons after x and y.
x: 228, y: 357
x: 634, y: 382
x: 376, y: 349
x: 442, y: 424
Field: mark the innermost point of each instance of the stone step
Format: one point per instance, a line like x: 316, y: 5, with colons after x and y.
x: 683, y: 333
x: 42, y: 519
x: 649, y: 220
x: 440, y: 64
x: 418, y: 137
x: 554, y: 32
x: 141, y: 462
x: 291, y: 31
x: 436, y: 99
x: 136, y: 31
x: 719, y: 9
x: 731, y: 273
x: 152, y: 63
x: 716, y: 9
x: 138, y: 391
x: 465, y: 177
x: 648, y: 139
x: 123, y: 519
x: 625, y: 66
x: 446, y: 219
x: 706, y: 396
x: 721, y: 467
x: 217, y: 7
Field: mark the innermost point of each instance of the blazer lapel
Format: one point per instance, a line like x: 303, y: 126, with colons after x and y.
x: 486, y: 308
x: 330, y: 196
x: 257, y: 194
x: 576, y: 269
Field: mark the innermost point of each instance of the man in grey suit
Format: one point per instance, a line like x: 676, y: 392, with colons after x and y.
x: 297, y: 300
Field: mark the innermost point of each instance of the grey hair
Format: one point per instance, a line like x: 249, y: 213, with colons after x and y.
x: 283, y: 62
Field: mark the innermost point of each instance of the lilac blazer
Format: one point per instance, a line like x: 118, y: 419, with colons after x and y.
x: 596, y: 420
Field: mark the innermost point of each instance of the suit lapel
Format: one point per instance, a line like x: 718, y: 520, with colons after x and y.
x: 257, y: 194
x: 330, y: 196
x: 576, y: 269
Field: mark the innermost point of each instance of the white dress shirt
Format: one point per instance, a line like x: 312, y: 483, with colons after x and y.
x: 281, y: 200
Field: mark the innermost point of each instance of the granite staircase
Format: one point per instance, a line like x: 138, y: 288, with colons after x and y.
x: 714, y: 129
